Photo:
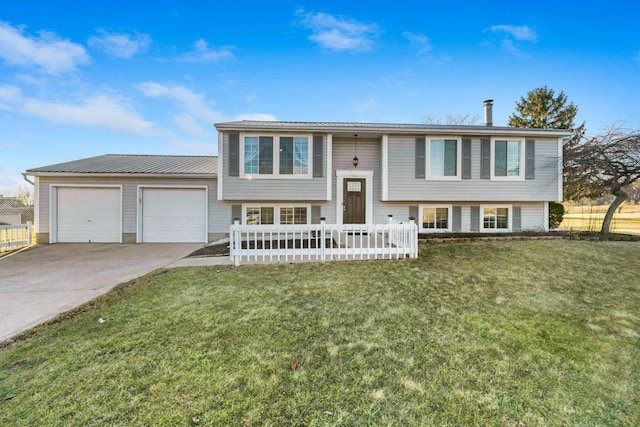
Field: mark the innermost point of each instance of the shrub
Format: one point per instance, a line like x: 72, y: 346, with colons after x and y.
x: 556, y: 212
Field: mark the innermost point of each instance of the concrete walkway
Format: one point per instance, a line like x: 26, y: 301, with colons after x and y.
x: 42, y: 282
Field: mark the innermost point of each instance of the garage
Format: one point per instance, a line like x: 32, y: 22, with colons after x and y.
x: 173, y: 215
x: 88, y: 214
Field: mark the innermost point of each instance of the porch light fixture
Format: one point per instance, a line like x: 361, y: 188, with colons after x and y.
x: 355, y: 151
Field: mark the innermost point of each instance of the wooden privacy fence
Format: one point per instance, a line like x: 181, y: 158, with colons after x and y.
x: 14, y: 236
x: 322, y: 242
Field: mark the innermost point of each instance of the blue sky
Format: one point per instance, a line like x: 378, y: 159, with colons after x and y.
x: 79, y: 79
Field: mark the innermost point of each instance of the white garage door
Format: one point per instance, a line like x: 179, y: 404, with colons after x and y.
x: 174, y: 215
x: 88, y: 214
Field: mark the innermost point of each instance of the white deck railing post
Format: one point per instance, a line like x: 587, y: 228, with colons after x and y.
x: 346, y: 241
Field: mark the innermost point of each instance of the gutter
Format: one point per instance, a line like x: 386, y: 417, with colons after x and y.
x: 391, y: 130
x: 120, y: 175
x: 24, y: 176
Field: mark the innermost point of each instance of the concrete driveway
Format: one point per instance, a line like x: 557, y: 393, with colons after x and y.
x: 38, y: 284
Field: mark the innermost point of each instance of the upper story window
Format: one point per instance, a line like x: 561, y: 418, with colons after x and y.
x: 258, y: 155
x: 443, y: 158
x: 294, y: 155
x: 288, y: 156
x: 507, y: 159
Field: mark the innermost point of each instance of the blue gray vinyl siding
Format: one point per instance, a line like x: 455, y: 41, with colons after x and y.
x: 276, y: 189
x: 404, y: 186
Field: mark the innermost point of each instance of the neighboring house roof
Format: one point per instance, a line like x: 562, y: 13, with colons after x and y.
x: 134, y: 164
x: 11, y: 202
x: 397, y: 128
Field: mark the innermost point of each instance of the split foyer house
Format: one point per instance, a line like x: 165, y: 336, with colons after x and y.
x: 449, y: 178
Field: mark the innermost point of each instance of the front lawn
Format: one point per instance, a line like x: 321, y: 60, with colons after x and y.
x: 508, y: 333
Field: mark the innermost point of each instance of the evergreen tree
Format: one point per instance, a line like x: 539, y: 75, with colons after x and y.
x: 542, y: 109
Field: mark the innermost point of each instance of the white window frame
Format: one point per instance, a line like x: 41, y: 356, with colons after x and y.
x: 276, y: 210
x: 520, y: 177
x: 276, y: 156
x: 497, y: 230
x: 458, y: 175
x: 436, y: 230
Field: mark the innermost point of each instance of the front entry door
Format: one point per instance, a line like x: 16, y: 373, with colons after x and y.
x: 354, y: 203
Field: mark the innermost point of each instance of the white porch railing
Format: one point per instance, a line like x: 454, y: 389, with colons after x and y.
x: 322, y: 242
x: 14, y: 236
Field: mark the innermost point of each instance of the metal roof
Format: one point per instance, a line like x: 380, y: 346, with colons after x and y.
x: 386, y: 127
x: 134, y: 164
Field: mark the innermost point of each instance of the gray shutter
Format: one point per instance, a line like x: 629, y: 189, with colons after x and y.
x: 456, y: 218
x: 466, y: 158
x: 414, y: 212
x: 236, y: 212
x: 234, y: 154
x: 517, y: 219
x: 475, y: 218
x: 317, y: 156
x: 316, y: 213
x: 485, y: 158
x: 530, y: 159
x: 420, y: 158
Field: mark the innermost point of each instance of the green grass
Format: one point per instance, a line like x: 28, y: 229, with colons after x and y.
x: 494, y: 333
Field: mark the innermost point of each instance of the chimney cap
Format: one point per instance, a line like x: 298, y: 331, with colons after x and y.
x: 488, y: 101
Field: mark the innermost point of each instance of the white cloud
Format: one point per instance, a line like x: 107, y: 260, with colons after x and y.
x: 520, y: 33
x: 47, y: 52
x: 120, y: 45
x: 194, y: 103
x: 202, y: 53
x: 196, y: 115
x: 99, y: 111
x: 420, y: 42
x: 190, y: 124
x: 339, y: 33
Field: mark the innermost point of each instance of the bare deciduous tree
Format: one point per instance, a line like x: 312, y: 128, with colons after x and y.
x: 609, y: 163
x: 461, y: 119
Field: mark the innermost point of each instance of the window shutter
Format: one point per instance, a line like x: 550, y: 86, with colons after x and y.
x: 317, y: 156
x: 234, y: 154
x: 420, y: 158
x: 530, y: 159
x: 456, y: 218
x: 466, y: 158
x: 414, y: 212
x: 517, y: 219
x: 236, y: 212
x: 485, y: 158
x: 475, y: 218
x: 316, y: 213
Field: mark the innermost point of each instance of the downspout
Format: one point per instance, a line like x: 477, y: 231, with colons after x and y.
x: 24, y: 176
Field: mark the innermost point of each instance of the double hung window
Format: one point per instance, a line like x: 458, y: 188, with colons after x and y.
x: 496, y: 218
x: 443, y: 158
x: 276, y: 156
x: 435, y: 218
x: 508, y: 159
x: 276, y: 214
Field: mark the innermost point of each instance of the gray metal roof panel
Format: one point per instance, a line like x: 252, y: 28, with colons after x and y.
x: 136, y: 164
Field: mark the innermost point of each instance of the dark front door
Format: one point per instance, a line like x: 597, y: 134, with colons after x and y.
x: 354, y: 202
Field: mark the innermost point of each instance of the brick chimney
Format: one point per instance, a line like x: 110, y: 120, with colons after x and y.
x: 488, y: 112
